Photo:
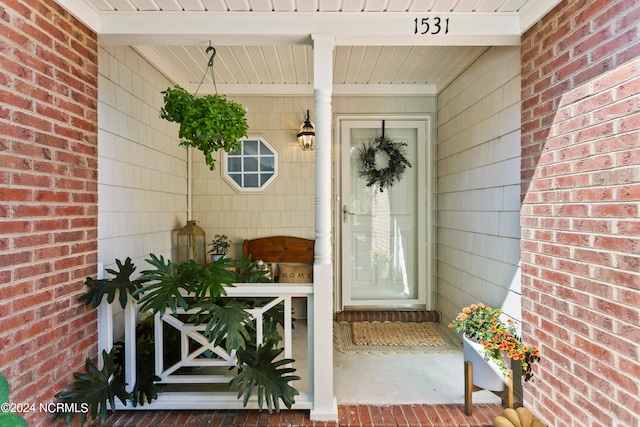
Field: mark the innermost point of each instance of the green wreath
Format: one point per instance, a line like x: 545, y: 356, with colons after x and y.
x: 395, y: 169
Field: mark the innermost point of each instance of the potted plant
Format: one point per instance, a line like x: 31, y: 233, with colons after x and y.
x: 208, y: 123
x: 219, y: 246
x: 485, y: 333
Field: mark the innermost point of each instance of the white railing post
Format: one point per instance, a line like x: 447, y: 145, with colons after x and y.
x: 105, y: 329
x: 130, y: 347
x: 288, y: 350
x: 159, y: 343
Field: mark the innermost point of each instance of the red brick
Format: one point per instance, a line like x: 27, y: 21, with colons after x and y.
x: 16, y: 227
x: 629, y: 123
x: 31, y: 180
x: 51, y: 196
x: 53, y: 113
x: 613, y: 243
x: 15, y: 195
x: 618, y: 210
x: 30, y: 240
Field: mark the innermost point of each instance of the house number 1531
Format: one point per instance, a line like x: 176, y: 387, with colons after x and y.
x: 435, y: 26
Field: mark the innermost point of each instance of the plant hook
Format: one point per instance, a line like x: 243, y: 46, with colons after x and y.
x: 209, y: 67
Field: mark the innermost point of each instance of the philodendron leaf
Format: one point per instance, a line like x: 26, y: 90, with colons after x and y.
x: 120, y: 283
x: 213, y: 278
x: 168, y: 280
x: 8, y: 419
x: 96, y: 388
x: 267, y: 376
x: 228, y: 322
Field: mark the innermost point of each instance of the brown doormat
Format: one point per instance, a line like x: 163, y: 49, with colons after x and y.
x: 393, y: 337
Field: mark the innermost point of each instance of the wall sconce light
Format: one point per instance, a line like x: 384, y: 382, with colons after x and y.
x: 307, y: 135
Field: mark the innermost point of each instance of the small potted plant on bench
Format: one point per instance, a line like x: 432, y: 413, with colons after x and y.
x: 219, y: 246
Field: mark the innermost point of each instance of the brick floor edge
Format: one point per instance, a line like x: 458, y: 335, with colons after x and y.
x: 410, y: 415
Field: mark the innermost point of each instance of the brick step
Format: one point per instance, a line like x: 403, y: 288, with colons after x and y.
x: 388, y: 316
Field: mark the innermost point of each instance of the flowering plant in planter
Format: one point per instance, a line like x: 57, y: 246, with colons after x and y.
x: 484, y: 325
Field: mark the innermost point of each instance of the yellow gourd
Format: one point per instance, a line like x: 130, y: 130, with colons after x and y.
x: 526, y: 419
x: 512, y: 416
x: 520, y: 417
x: 501, y: 422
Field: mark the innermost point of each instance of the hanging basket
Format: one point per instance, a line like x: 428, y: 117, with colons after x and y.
x: 208, y: 123
x: 383, y: 177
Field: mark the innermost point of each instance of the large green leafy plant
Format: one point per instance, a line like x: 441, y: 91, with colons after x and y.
x: 7, y: 418
x: 95, y: 388
x: 167, y: 286
x: 208, y: 123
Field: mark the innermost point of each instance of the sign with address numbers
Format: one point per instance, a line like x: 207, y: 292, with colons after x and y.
x: 431, y: 26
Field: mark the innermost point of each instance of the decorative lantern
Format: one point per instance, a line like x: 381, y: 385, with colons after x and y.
x: 307, y: 135
x: 192, y: 243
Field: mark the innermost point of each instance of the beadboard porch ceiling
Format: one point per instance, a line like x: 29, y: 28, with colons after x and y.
x: 265, y: 46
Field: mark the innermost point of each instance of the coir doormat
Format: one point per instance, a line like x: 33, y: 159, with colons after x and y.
x: 393, y: 337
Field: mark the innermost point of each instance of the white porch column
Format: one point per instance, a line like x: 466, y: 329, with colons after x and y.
x: 325, y: 406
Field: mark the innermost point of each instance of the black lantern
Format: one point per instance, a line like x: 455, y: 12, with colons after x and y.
x: 307, y: 135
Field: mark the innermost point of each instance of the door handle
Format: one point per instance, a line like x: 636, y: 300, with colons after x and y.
x: 345, y: 212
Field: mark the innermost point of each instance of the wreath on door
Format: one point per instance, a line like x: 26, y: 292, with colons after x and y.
x: 379, y: 148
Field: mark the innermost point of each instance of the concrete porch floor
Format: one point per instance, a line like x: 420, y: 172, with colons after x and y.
x: 371, y: 389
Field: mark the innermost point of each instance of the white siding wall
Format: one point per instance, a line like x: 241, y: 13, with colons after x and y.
x: 142, y: 172
x: 479, y: 186
x: 287, y: 207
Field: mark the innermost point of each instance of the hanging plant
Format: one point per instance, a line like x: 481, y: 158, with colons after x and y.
x: 208, y: 123
x: 384, y: 177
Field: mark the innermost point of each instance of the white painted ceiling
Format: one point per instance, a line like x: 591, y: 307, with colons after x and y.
x: 265, y: 46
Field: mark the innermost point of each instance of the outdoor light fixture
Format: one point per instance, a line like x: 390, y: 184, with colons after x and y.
x: 307, y: 135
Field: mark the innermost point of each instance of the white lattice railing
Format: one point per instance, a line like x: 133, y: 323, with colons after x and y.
x: 193, y: 344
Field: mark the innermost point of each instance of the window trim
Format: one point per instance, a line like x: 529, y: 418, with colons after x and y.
x: 232, y: 182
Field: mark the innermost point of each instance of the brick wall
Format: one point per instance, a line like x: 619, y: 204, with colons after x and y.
x: 48, y: 197
x: 580, y: 227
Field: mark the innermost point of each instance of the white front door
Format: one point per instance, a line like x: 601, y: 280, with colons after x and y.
x: 384, y: 233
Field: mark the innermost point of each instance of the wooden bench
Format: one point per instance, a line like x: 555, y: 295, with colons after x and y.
x: 282, y: 251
